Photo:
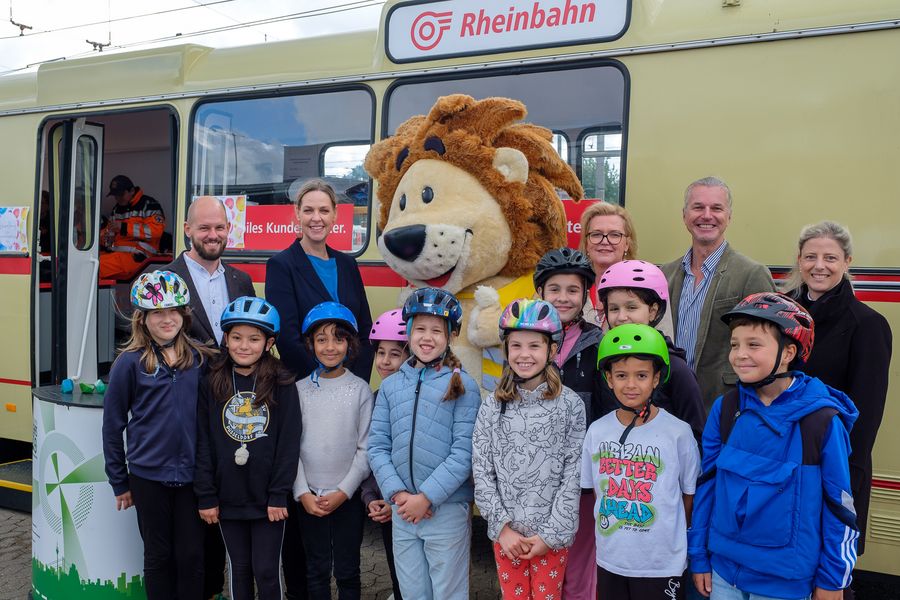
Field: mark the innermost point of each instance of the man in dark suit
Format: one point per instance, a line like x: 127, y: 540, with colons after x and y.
x: 212, y: 284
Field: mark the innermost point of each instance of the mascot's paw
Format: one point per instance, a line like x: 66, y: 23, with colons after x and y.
x: 486, y: 296
x: 482, y: 330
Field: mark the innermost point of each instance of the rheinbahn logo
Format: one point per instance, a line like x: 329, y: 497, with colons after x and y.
x: 454, y: 27
x: 428, y: 29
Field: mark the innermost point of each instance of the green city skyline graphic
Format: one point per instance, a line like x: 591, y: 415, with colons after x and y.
x: 64, y: 484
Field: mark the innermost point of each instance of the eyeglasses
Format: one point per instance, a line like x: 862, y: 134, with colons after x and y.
x: 613, y: 237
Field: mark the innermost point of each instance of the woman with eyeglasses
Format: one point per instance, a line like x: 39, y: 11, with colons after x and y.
x: 607, y: 237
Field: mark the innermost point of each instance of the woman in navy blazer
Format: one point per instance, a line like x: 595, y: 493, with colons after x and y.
x: 309, y: 272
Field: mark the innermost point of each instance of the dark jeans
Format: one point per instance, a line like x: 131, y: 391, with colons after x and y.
x: 332, y: 545
x: 610, y: 585
x: 388, y: 539
x: 213, y: 561
x: 173, y: 539
x: 254, y: 550
x: 293, y: 558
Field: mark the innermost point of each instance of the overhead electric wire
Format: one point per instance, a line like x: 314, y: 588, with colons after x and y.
x: 317, y: 12
x: 117, y: 20
x: 358, y: 4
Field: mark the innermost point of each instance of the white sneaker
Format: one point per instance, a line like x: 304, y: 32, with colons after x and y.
x: 391, y: 597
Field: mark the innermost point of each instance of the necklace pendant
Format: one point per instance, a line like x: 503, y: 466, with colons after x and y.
x: 241, y: 455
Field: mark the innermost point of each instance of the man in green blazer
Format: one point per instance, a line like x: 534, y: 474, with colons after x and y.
x: 707, y: 282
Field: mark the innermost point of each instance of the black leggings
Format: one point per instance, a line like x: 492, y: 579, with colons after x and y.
x: 254, y: 550
x: 618, y: 587
x: 173, y: 539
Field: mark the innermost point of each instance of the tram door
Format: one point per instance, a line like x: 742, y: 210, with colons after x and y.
x: 75, y: 165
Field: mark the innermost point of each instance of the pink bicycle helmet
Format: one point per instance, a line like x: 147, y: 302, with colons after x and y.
x: 389, y: 327
x: 635, y: 274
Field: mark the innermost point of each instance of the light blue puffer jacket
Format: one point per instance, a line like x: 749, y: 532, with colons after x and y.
x: 419, y: 442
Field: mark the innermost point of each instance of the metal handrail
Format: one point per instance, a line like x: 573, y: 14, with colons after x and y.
x: 87, y: 320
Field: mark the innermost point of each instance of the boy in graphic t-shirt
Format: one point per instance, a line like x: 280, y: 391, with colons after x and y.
x: 642, y: 464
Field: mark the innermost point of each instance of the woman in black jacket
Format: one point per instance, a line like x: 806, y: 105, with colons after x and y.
x: 852, y: 349
x: 309, y: 272
x: 298, y: 278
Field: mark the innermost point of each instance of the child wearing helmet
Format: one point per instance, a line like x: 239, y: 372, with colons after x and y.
x: 642, y: 464
x: 635, y: 291
x: 248, y: 443
x: 336, y: 409
x: 391, y: 350
x: 563, y: 277
x: 152, y: 400
x: 420, y: 449
x: 774, y: 512
x: 526, y: 453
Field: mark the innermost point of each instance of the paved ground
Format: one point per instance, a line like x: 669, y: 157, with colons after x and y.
x: 15, y: 564
x: 15, y: 561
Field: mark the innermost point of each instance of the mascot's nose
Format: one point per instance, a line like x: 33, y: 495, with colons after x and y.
x: 406, y: 242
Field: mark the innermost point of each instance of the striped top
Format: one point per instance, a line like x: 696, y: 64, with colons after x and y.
x: 691, y: 300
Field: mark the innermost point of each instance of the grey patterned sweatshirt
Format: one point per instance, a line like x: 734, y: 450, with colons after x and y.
x: 527, y: 464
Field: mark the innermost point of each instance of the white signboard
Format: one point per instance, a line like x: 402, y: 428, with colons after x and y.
x: 427, y: 30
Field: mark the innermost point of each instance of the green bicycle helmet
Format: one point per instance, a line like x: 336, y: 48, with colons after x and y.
x: 633, y: 339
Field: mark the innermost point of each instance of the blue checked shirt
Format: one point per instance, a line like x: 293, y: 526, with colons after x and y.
x: 690, y: 303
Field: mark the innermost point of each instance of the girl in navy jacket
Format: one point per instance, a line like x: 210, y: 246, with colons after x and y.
x: 155, y: 379
x: 248, y: 444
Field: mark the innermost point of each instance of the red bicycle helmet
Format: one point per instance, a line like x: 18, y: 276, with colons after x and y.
x: 791, y: 319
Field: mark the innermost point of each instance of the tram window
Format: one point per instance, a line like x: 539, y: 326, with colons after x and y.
x: 570, y: 102
x: 256, y: 153
x: 561, y: 144
x: 84, y: 204
x: 601, y: 165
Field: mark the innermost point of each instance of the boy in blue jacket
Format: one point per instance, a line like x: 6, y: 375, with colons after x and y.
x: 773, y: 513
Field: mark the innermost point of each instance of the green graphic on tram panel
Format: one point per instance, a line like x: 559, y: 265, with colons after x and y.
x: 65, y: 498
x: 51, y: 582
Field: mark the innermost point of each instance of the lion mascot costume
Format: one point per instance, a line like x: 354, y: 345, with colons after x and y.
x: 468, y: 203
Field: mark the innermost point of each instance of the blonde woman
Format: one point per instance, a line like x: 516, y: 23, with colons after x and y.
x: 852, y: 352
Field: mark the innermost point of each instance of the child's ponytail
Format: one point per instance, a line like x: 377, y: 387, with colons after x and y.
x: 456, y: 387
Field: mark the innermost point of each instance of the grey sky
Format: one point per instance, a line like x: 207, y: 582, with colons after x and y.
x: 49, y: 15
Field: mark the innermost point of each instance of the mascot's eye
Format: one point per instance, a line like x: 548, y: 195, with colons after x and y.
x: 403, y: 202
x: 427, y: 194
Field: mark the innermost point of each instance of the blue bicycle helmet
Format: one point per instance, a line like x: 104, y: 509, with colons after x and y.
x: 248, y: 310
x: 436, y: 302
x: 328, y: 311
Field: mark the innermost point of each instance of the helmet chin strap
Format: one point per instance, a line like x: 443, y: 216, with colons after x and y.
x: 642, y: 413
x: 322, y: 369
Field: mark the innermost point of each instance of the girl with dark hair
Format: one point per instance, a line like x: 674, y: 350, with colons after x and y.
x: 247, y: 446
x: 336, y: 408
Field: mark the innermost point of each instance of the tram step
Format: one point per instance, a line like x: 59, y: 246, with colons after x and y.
x: 15, y: 485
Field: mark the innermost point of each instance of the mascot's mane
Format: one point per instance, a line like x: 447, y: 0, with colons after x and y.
x: 466, y: 133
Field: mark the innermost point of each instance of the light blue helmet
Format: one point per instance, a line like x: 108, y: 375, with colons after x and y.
x: 328, y: 311
x: 249, y: 310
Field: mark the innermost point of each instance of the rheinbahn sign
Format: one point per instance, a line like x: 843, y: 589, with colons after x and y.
x: 445, y: 28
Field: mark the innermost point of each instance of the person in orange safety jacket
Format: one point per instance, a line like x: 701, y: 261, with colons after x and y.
x: 132, y: 232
